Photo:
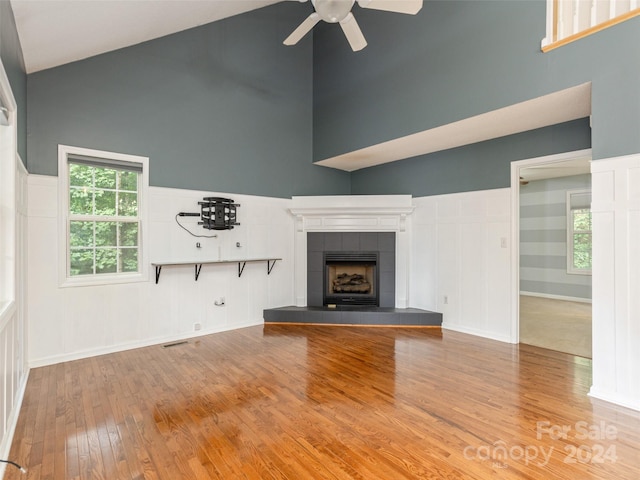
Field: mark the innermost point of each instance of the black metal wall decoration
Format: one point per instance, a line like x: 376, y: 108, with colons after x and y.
x: 218, y: 213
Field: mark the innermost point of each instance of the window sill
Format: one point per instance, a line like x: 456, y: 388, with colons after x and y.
x: 93, y: 281
x: 579, y: 272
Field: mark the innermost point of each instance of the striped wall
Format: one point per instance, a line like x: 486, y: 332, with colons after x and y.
x: 543, y: 239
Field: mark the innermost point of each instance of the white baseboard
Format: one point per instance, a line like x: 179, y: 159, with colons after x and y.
x: 612, y: 397
x: 556, y: 297
x: 478, y: 333
x: 52, y: 360
x: 12, y: 423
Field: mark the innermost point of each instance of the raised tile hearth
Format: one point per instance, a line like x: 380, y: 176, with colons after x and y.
x: 353, y: 316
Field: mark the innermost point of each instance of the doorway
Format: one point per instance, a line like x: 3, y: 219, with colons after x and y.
x: 551, y: 299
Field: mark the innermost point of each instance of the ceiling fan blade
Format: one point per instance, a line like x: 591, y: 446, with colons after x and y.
x: 302, y: 29
x: 353, y: 33
x: 399, y: 6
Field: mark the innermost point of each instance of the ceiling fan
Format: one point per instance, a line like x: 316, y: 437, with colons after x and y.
x: 339, y: 11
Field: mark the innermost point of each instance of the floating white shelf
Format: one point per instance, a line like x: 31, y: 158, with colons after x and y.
x: 198, y: 264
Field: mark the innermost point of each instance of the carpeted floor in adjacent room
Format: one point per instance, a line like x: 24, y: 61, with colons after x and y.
x: 558, y: 325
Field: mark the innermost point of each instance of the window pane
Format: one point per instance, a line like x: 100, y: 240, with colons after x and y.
x: 129, y: 259
x: 81, y: 234
x: 106, y: 234
x: 582, y: 220
x: 582, y: 242
x: 81, y: 201
x: 107, y: 260
x: 128, y: 181
x: 80, y: 175
x: 582, y: 260
x: 128, y: 205
x: 128, y: 234
x: 105, y: 202
x: 105, y: 178
x: 81, y: 262
x: 582, y: 251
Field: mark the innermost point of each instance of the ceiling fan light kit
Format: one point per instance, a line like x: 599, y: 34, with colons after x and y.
x: 339, y: 11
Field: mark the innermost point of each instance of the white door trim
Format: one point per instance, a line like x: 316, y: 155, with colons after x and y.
x: 515, y: 226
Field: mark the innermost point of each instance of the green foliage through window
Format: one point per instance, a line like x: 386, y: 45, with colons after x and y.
x: 581, y: 219
x: 103, y: 220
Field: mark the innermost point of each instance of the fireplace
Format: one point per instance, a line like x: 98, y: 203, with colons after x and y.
x: 351, y: 268
x: 353, y: 223
x: 351, y: 278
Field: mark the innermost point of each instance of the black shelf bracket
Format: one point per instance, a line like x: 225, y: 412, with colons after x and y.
x: 158, y: 270
x: 198, y: 268
x: 270, y: 266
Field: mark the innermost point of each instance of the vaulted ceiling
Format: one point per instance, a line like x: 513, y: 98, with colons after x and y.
x: 55, y: 32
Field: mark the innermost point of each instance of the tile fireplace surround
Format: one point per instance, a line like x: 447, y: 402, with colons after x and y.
x: 357, y: 223
x: 383, y: 243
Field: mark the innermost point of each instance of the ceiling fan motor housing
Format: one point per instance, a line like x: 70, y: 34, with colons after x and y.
x: 333, y: 11
x: 339, y: 11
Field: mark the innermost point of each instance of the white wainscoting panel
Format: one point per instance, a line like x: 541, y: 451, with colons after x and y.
x: 76, y: 322
x: 461, y: 261
x: 13, y: 364
x: 616, y: 280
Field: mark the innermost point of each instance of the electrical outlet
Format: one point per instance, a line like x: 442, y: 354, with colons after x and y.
x: 197, y: 326
x: 446, y: 299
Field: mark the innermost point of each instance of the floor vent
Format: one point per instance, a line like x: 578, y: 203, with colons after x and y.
x: 174, y: 344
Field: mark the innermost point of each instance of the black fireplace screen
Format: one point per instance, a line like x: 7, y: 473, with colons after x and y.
x: 351, y: 278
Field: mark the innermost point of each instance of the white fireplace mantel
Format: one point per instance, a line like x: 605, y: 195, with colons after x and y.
x: 353, y: 213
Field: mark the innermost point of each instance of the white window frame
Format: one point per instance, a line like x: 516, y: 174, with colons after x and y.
x: 570, y: 233
x: 65, y: 280
x: 8, y: 172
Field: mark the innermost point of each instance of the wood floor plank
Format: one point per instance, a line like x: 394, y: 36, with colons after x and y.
x: 324, y: 403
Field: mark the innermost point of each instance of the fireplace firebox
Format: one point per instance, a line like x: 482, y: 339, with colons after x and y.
x: 351, y: 278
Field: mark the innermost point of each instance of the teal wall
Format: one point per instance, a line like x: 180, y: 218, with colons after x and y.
x: 13, y: 61
x: 224, y: 107
x: 457, y: 59
x: 481, y: 166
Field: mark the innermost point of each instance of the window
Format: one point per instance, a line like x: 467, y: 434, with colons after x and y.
x: 103, y: 200
x: 8, y: 169
x: 579, y: 232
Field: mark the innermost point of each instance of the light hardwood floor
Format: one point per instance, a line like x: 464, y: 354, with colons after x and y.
x: 321, y: 402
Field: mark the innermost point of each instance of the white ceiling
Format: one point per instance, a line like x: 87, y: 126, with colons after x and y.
x: 56, y: 32
x: 565, y: 168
